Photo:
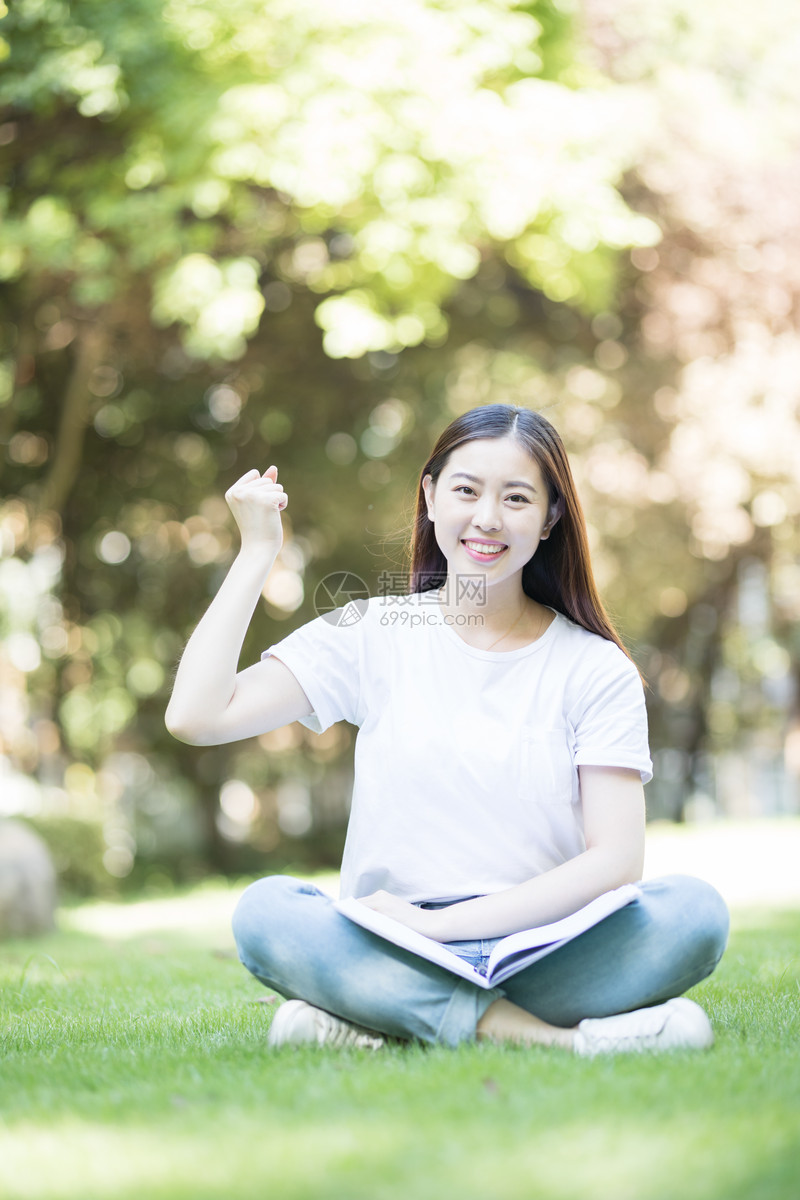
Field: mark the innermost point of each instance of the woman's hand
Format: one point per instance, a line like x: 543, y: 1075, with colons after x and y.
x: 422, y: 920
x: 256, y: 502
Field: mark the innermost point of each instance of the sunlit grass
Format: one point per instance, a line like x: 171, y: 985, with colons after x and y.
x: 135, y: 1065
x: 204, y: 911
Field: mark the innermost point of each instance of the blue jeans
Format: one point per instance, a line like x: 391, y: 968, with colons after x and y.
x: 292, y: 939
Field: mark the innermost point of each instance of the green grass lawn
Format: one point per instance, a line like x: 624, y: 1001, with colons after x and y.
x: 134, y: 1066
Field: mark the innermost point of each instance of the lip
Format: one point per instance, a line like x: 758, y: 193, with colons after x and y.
x: 483, y: 558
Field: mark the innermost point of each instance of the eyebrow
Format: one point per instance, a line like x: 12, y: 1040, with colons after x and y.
x: 509, y: 483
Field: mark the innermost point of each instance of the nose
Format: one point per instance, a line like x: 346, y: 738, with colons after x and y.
x: 487, y: 515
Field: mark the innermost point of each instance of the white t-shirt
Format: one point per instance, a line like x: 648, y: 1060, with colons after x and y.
x: 466, y: 760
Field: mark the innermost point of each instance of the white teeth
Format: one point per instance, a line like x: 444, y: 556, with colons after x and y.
x: 482, y: 549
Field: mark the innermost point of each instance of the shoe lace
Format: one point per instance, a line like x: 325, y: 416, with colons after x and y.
x: 646, y: 1026
x: 345, y: 1033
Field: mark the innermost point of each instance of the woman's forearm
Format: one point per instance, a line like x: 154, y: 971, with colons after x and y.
x: 206, y: 677
x: 614, y: 824
x: 538, y: 901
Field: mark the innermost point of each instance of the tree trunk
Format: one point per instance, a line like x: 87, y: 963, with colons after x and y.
x: 90, y: 345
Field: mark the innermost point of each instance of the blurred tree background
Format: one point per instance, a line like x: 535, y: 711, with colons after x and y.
x: 310, y: 232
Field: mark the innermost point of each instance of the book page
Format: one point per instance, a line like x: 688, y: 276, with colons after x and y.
x: 518, y: 949
x: 564, y: 930
x: 408, y: 939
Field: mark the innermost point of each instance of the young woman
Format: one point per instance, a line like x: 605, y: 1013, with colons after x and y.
x: 499, y: 765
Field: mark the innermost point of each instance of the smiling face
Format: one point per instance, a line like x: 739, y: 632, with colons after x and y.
x: 489, y: 507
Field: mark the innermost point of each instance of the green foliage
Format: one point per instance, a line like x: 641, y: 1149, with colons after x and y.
x: 77, y: 848
x: 373, y: 156
x: 310, y: 233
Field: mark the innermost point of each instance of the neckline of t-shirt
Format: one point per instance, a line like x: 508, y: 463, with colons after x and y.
x: 499, y: 655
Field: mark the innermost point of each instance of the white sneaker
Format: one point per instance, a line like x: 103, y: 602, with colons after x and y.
x: 296, y: 1023
x: 677, y: 1025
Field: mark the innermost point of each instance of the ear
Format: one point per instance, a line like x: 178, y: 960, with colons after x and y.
x: 428, y: 488
x: 554, y: 515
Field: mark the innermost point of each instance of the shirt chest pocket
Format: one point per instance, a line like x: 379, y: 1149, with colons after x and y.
x: 547, y: 771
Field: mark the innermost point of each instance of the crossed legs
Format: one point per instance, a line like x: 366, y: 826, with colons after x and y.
x: 291, y: 937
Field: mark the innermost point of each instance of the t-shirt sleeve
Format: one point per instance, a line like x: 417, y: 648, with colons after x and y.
x: 325, y: 659
x: 610, y: 717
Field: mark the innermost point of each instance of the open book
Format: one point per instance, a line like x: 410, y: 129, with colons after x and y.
x: 511, y: 954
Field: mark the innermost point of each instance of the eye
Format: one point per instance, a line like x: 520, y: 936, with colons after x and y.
x: 464, y: 487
